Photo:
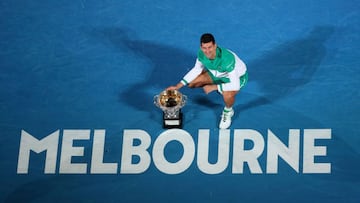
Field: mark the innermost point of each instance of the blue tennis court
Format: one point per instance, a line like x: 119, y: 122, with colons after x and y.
x: 78, y: 122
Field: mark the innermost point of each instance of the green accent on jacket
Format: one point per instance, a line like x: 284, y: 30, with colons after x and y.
x: 224, y: 60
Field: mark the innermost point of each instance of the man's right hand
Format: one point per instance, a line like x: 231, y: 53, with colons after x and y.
x: 171, y: 88
x: 176, y: 87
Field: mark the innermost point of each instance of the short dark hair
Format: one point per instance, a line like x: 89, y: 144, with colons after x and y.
x: 206, y: 38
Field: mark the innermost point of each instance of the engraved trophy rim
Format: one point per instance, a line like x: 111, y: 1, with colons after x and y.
x: 162, y: 100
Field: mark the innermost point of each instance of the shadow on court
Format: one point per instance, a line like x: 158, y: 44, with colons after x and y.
x: 278, y: 71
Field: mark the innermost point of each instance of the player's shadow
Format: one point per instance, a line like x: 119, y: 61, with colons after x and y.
x: 277, y: 72
x: 281, y: 70
x: 167, y: 64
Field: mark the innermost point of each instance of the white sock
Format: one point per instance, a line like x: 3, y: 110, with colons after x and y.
x: 226, y: 109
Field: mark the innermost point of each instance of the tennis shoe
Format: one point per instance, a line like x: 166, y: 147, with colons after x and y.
x: 225, y: 121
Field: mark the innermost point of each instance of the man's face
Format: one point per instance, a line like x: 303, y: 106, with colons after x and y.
x: 209, y: 49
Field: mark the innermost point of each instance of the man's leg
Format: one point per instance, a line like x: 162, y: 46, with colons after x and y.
x: 229, y: 98
x: 209, y: 88
x: 228, y: 112
x: 202, y: 80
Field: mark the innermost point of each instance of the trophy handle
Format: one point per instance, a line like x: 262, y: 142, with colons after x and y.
x: 183, y: 100
x: 156, y: 100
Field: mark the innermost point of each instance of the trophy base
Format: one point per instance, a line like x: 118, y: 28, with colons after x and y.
x: 173, y: 122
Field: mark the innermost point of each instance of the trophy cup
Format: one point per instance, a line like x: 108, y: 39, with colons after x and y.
x: 171, y: 102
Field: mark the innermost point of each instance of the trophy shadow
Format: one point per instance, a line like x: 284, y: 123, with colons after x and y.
x: 278, y: 72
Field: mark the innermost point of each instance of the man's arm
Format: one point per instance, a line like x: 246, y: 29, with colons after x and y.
x: 189, y: 77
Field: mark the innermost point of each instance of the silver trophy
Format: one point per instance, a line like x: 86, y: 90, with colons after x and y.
x: 171, y: 102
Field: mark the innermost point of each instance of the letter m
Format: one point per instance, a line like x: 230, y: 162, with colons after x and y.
x: 29, y: 143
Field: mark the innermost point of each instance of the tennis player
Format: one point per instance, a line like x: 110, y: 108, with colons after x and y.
x: 218, y: 69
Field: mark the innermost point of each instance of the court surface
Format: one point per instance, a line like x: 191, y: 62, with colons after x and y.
x: 93, y: 67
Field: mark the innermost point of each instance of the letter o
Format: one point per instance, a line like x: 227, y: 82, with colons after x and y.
x: 185, y: 139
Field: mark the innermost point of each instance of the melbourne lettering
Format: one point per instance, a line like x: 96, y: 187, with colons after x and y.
x: 302, y: 152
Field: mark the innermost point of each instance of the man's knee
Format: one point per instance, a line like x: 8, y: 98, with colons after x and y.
x: 191, y: 85
x: 200, y: 81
